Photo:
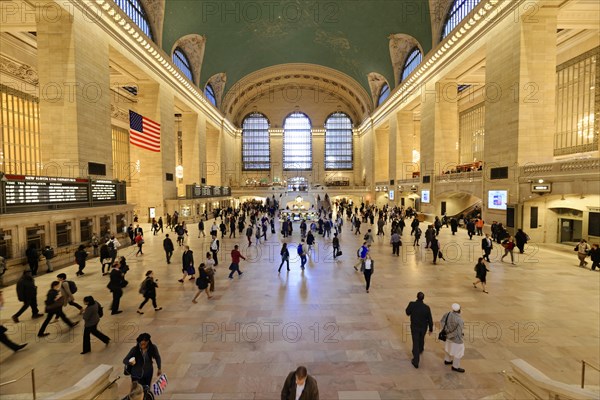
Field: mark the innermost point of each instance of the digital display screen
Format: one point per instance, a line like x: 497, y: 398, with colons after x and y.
x: 104, y: 191
x: 497, y: 199
x: 24, y: 190
x: 425, y: 196
x: 391, y: 195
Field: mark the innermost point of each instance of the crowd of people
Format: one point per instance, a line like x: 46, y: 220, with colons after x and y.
x: 257, y: 221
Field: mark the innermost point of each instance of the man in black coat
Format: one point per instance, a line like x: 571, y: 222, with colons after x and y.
x: 115, y: 285
x: 299, y: 380
x: 27, y: 293
x: 420, y: 320
x: 169, y: 248
x: 33, y: 258
x: 486, y: 245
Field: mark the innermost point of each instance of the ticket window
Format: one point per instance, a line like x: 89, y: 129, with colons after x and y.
x: 105, y: 226
x: 36, y: 236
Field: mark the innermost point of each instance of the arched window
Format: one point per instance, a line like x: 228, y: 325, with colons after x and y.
x: 459, y: 10
x: 383, y: 94
x: 297, y: 142
x: 209, y: 92
x: 135, y: 11
x: 338, y: 142
x: 413, y: 60
x: 181, y: 61
x: 256, y: 153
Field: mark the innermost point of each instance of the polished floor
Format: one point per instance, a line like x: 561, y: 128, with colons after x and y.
x: 242, y: 343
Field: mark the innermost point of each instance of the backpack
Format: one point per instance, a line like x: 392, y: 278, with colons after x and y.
x: 72, y: 287
x: 111, y: 245
x: 142, y: 287
x: 358, y: 252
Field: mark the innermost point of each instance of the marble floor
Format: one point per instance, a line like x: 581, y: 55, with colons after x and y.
x: 242, y: 343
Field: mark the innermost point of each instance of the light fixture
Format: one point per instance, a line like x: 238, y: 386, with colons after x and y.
x: 540, y: 181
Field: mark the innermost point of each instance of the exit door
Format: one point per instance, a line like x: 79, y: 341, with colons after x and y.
x: 571, y: 230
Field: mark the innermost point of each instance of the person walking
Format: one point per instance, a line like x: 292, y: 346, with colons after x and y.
x: 138, y: 362
x: 168, y: 247
x: 435, y: 248
x: 187, y: 264
x: 582, y: 250
x: 215, y: 246
x: 367, y: 268
x: 420, y: 321
x: 139, y: 241
x: 235, y: 262
x: 454, y: 225
x: 361, y: 254
x: 148, y: 290
x: 369, y: 237
x: 27, y: 294
x: 67, y: 289
x: 299, y: 385
x: 417, y: 232
x: 91, y: 317
x: 105, y: 259
x: 396, y: 243
x: 54, y: 304
x: 209, y: 268
x: 480, y: 274
x: 454, y: 348
x: 48, y: 254
x: 115, y: 285
x: 249, y: 235
x: 80, y: 257
x: 595, y: 256
x: 509, y: 246
x: 310, y: 241
x: 429, y: 234
x: 113, y: 247
x: 479, y: 226
x: 487, y: 244
x: 3, y: 338
x: 285, y: 257
x: 95, y: 244
x: 336, y: 246
x: 521, y: 238
x: 202, y: 283
x: 201, y: 228
x: 160, y: 225
x: 301, y: 253
x: 33, y: 258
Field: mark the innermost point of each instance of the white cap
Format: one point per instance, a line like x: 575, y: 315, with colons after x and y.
x: 456, y: 307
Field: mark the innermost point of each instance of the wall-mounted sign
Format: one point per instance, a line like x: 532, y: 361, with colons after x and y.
x: 391, y: 195
x: 541, y: 187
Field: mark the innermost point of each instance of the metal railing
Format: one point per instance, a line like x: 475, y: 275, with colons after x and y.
x: 106, y: 387
x: 583, y: 364
x: 32, y: 372
x: 521, y: 384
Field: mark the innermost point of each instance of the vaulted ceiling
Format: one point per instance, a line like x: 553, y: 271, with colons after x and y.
x: 350, y: 36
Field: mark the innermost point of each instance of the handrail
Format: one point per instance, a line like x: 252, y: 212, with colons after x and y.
x: 583, y: 364
x: 107, y: 386
x: 32, y: 372
x: 518, y: 382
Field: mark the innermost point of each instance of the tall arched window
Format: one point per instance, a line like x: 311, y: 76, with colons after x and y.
x: 209, y: 92
x: 181, y: 61
x: 413, y: 60
x: 256, y: 153
x: 338, y: 142
x: 297, y: 142
x: 459, y: 10
x: 135, y: 11
x: 384, y: 93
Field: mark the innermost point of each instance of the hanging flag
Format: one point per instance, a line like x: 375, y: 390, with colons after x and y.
x: 143, y: 132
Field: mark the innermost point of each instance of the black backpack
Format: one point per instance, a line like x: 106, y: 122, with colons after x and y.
x: 72, y: 287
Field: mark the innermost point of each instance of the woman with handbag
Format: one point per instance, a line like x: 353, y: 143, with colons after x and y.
x: 148, y: 290
x: 209, y: 268
x: 105, y: 259
x: 54, y: 306
x: 202, y: 283
x: 481, y: 273
x: 367, y: 268
x: 138, y: 362
x: 285, y: 257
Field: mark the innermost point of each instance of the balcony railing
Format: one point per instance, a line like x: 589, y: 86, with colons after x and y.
x: 470, y: 176
x: 587, y: 166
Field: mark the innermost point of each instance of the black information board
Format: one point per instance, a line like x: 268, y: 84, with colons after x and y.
x: 22, y: 193
x: 197, y: 192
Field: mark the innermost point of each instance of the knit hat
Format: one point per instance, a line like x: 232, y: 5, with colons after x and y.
x: 456, y: 307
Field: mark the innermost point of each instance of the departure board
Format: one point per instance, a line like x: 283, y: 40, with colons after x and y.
x: 25, y: 190
x: 104, y: 191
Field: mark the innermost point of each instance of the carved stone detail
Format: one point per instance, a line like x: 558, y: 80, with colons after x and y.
x: 155, y: 11
x: 193, y: 46
x: 376, y: 82
x: 438, y: 10
x: 119, y: 113
x: 19, y: 70
x: 218, y: 82
x: 400, y: 45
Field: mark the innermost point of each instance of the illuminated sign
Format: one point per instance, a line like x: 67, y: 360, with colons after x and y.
x: 541, y: 188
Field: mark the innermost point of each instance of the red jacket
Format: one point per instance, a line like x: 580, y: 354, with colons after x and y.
x: 235, y: 256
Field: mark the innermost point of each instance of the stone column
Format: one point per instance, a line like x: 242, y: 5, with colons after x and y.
x: 520, y: 98
x: 404, y: 147
x: 392, y: 151
x: 150, y: 183
x: 74, y: 95
x: 194, y: 140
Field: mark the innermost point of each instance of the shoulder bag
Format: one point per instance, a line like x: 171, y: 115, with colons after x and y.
x: 443, y: 335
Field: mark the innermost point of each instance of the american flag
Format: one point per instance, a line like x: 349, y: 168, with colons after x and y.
x: 144, y: 132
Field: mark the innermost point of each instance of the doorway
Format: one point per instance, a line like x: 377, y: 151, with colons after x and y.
x: 570, y: 230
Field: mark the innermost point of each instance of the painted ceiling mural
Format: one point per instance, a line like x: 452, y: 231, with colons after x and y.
x: 243, y: 36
